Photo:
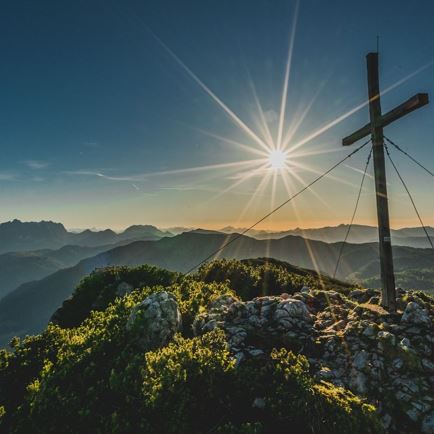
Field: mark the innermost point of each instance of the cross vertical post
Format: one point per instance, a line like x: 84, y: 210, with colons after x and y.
x: 375, y: 129
x: 386, y: 258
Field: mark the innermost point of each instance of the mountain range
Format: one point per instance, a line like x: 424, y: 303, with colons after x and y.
x: 16, y: 236
x: 28, y: 308
x: 411, y: 237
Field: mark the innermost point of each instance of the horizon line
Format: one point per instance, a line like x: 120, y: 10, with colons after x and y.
x: 215, y: 227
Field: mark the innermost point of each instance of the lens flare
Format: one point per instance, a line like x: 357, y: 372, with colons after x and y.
x: 277, y: 159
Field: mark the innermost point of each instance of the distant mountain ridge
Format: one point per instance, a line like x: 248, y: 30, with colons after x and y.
x: 16, y: 236
x: 359, y: 234
x: 411, y: 237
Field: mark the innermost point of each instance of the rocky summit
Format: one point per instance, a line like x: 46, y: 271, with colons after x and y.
x: 349, y: 340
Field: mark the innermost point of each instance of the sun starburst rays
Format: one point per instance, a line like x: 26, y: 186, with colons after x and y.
x: 286, y: 80
x: 278, y: 157
x: 262, y: 124
x: 270, y: 141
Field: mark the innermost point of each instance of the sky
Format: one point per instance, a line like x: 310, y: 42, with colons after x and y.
x: 161, y: 112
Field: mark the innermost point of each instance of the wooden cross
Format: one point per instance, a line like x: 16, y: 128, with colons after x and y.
x: 375, y: 128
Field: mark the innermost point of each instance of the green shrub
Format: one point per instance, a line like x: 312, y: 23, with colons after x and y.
x: 94, y: 378
x: 252, y: 278
x: 99, y: 289
x: 195, y: 296
x: 186, y: 383
x: 193, y: 386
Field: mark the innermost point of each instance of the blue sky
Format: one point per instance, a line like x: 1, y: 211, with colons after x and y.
x: 94, y: 108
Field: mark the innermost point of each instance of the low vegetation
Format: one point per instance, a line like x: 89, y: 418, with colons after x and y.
x: 89, y: 372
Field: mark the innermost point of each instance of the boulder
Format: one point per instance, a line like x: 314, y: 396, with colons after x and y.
x: 155, y: 320
x: 415, y: 314
x: 294, y: 309
x: 386, y: 339
x: 358, y: 382
x: 360, y: 360
x: 428, y: 424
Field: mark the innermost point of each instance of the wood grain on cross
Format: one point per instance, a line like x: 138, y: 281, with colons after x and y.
x: 375, y: 128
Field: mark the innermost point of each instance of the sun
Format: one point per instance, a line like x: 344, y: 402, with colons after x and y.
x: 277, y: 159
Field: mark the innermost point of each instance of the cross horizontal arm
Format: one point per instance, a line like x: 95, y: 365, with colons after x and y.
x: 415, y: 102
x: 356, y: 136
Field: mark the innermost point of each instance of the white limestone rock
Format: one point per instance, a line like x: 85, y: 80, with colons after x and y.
x: 155, y: 320
x: 415, y: 314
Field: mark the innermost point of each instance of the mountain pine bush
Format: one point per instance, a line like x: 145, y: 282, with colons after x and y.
x: 95, y: 378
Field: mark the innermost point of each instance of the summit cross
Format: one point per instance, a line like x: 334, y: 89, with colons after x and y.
x: 375, y: 128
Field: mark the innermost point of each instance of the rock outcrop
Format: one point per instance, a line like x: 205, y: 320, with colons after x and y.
x: 350, y: 341
x: 155, y: 320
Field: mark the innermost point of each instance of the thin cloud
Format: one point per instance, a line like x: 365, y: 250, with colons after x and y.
x: 36, y: 164
x: 136, y: 179
x: 101, y: 175
x: 141, y: 177
x: 188, y: 188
